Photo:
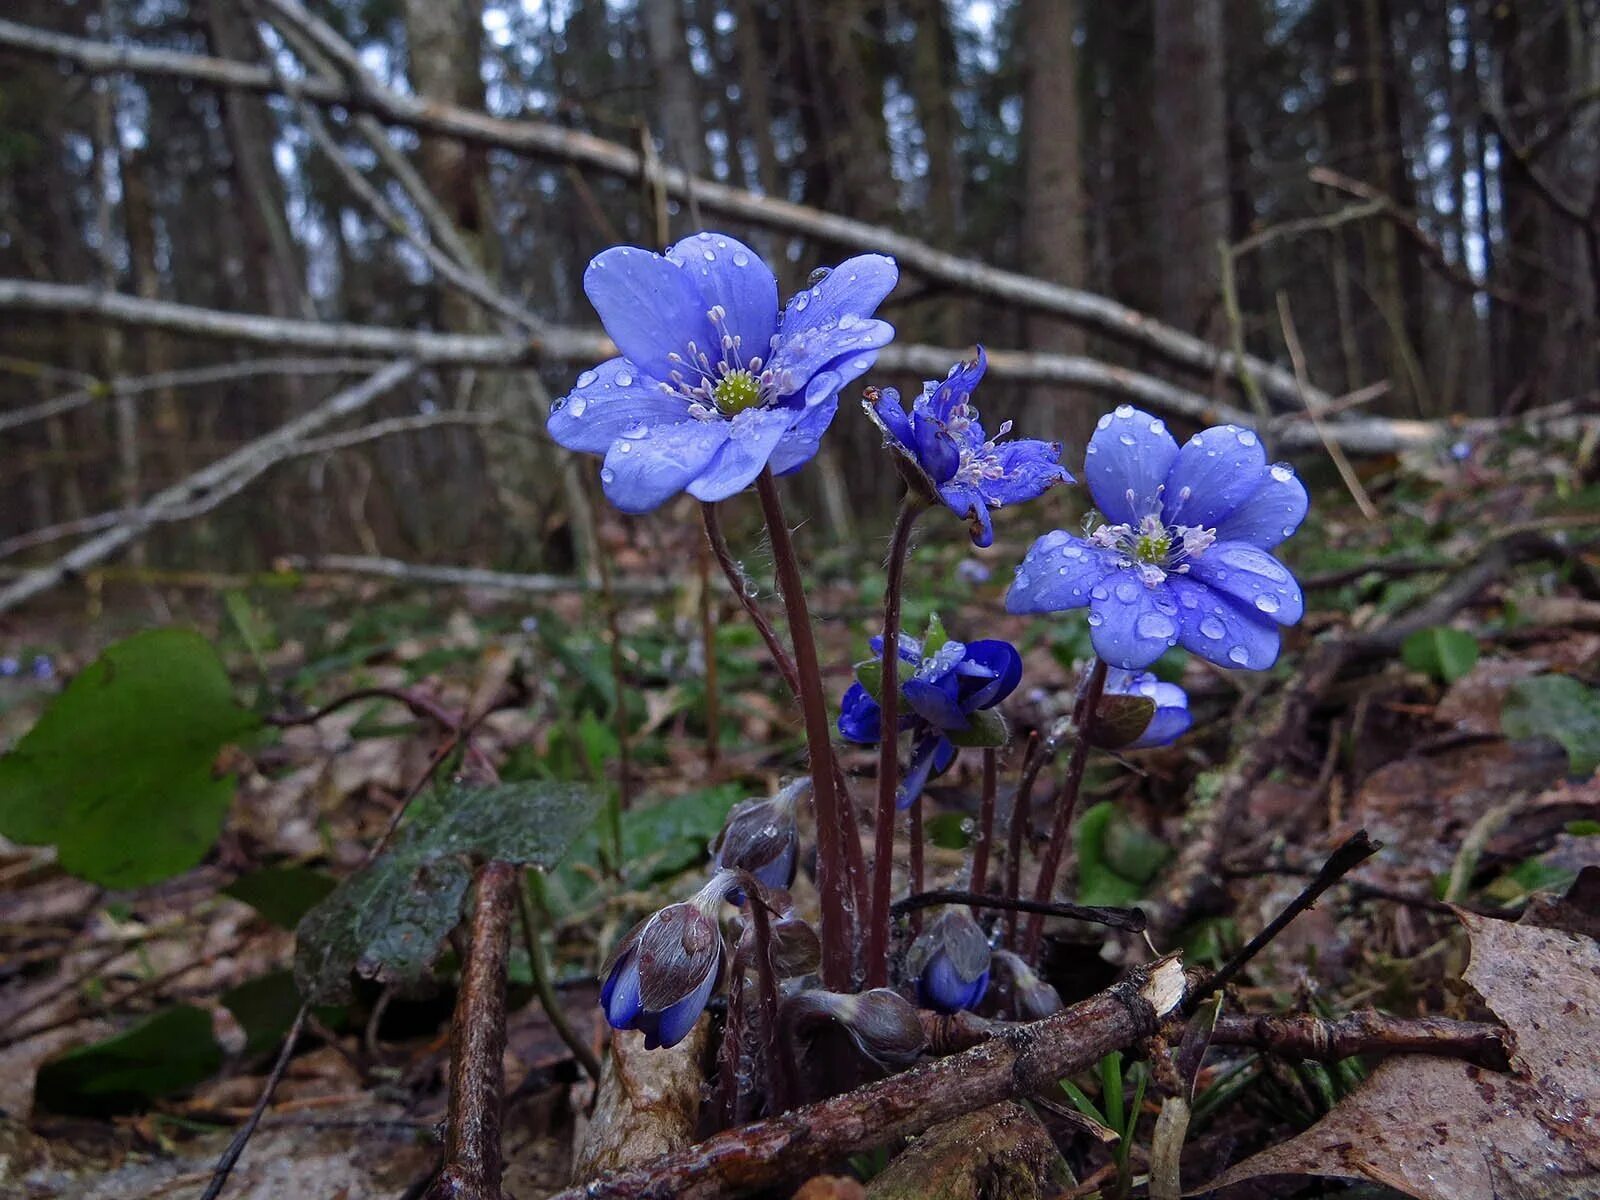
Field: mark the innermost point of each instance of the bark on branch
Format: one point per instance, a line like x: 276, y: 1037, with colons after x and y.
x: 1020, y: 1061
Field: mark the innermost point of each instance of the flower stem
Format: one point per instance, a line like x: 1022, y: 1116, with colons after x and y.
x: 856, y: 863
x: 1066, y: 802
x: 833, y: 874
x: 539, y: 967
x: 980, y: 848
x: 914, y: 853
x: 1017, y: 827
x: 779, y: 1066
x: 889, y: 748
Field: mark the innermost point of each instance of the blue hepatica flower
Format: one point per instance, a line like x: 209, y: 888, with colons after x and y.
x: 663, y: 972
x: 942, y: 441
x: 940, y: 703
x: 950, y: 963
x: 1170, y: 718
x: 1183, y: 556
x: 713, y: 384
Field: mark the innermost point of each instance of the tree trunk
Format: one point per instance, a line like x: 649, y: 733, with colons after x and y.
x: 1192, y: 167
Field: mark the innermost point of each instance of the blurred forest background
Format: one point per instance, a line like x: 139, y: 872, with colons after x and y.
x: 1401, y: 198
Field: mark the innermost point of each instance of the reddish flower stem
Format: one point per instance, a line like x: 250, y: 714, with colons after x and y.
x: 889, y: 751
x: 833, y: 865
x: 1066, y: 801
x: 980, y: 848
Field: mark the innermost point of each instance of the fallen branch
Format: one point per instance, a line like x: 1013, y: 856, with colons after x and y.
x: 1479, y: 1042
x: 1022, y: 1060
x: 426, y: 574
x: 472, y: 1164
x: 229, y: 471
x: 559, y: 344
x: 544, y: 140
x: 1294, y: 1036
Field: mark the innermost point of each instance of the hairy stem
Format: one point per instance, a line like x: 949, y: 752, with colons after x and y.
x: 1066, y: 802
x: 889, y: 749
x: 833, y: 874
x: 539, y: 966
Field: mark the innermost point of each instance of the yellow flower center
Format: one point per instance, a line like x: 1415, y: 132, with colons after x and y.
x: 735, y: 392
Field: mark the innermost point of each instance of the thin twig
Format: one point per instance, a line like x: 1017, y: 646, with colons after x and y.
x: 1130, y: 919
x: 539, y: 968
x: 1354, y: 851
x: 241, y: 1139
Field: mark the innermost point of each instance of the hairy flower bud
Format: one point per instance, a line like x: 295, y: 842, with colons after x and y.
x: 664, y: 970
x: 883, y: 1025
x: 761, y: 836
x: 1032, y: 998
x: 950, y: 962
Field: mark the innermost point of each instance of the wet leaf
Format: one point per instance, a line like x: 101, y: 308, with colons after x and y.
x: 1560, y: 708
x: 282, y: 894
x: 117, y: 774
x: 986, y: 730
x: 164, y: 1054
x: 948, y: 830
x: 1446, y: 654
x: 387, y: 921
x: 1441, y: 1129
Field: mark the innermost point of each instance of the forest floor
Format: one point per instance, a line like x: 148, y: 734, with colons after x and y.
x: 1481, y: 789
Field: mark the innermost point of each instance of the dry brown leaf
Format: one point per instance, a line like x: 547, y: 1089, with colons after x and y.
x: 1440, y: 1129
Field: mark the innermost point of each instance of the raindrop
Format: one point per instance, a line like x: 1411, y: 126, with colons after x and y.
x: 1213, y: 628
x: 1267, y: 603
x: 1126, y: 439
x: 1103, y: 422
x: 624, y: 447
x: 1158, y: 427
x: 1124, y: 411
x: 1099, y: 593
x: 849, y: 321
x: 1096, y: 620
x: 1246, y: 438
x: 624, y: 379
x: 741, y: 259
x: 607, y: 475
x: 587, y: 378
x: 1155, y: 625
x: 1238, y: 654
x: 800, y: 301
x: 1282, y: 472
x: 1127, y: 591
x: 711, y: 256
x: 578, y: 405
x: 637, y: 430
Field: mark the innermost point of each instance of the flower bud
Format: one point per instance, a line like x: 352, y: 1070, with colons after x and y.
x: 950, y: 962
x: 663, y: 972
x: 883, y: 1025
x: 1139, y: 711
x: 761, y: 836
x: 1032, y: 998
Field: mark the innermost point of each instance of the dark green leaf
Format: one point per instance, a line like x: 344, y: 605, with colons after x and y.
x: 117, y: 774
x: 987, y: 730
x: 870, y: 675
x: 282, y: 894
x: 948, y: 831
x: 387, y: 920
x: 265, y: 1007
x: 167, y: 1053
x: 1446, y: 654
x: 1116, y: 858
x: 1557, y: 707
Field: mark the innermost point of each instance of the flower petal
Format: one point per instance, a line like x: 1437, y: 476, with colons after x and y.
x: 613, y: 398
x: 1131, y: 624
x: 936, y: 702
x: 956, y: 388
x: 1269, y: 514
x: 849, y: 348
x: 674, y: 1023
x: 892, y: 416
x: 860, y: 718
x: 1128, y: 459
x: 1057, y: 574
x: 1219, y: 630
x: 1216, y: 470
x: 1253, y: 578
x: 1030, y: 467
x: 1002, y: 662
x: 642, y: 474
x: 650, y: 307
x: 932, y: 444
x: 729, y: 273
x: 1166, y: 726
x: 968, y: 504
x: 620, y: 996
x: 752, y: 436
x: 855, y: 288
x: 930, y: 755
x: 799, y: 444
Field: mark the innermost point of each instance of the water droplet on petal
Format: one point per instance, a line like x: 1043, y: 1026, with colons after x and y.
x: 1096, y: 620
x: 1099, y: 593
x: 1126, y: 439
x: 624, y: 379
x: 1238, y: 654
x: 1282, y: 472
x: 741, y: 259
x: 1127, y: 591
x: 1267, y: 603
x: 1213, y: 628
x: 587, y: 378
x: 637, y: 430
x: 577, y: 406
x: 1247, y: 438
x: 1103, y: 422
x: 1124, y: 411
x: 1155, y: 625
x: 607, y: 475
x: 624, y: 447
x: 849, y: 321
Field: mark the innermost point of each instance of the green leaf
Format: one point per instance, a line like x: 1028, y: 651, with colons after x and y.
x: 1116, y: 858
x: 265, y: 1007
x: 933, y: 638
x: 986, y: 730
x: 387, y: 921
x: 167, y: 1053
x: 1558, y: 707
x: 1444, y: 653
x: 117, y: 773
x: 870, y: 675
x: 282, y: 894
x: 948, y: 831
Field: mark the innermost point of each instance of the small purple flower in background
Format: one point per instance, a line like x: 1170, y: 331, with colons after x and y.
x: 950, y: 963
x: 970, y: 570
x: 761, y: 836
x: 43, y: 667
x: 713, y: 385
x: 946, y: 702
x: 9, y: 666
x: 662, y: 973
x: 947, y: 456
x: 1168, y: 718
x: 1182, y: 557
